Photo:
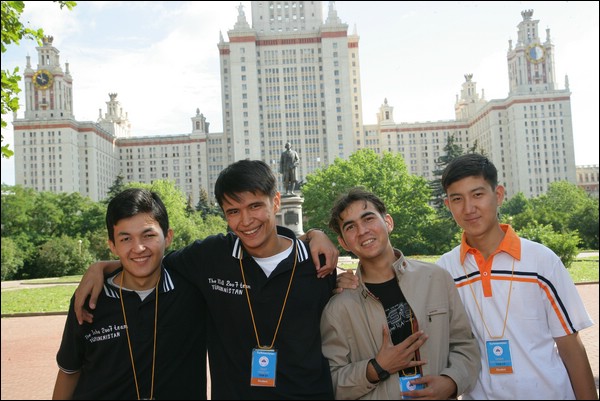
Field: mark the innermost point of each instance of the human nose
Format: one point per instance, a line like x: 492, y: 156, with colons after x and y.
x: 362, y: 228
x: 138, y: 245
x: 246, y: 217
x: 469, y: 206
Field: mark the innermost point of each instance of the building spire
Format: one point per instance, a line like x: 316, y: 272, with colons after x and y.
x: 241, y: 23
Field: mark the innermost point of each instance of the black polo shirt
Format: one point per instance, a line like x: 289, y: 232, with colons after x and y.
x: 214, y: 266
x: 101, y: 353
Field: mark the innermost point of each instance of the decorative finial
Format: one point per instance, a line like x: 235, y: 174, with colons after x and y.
x: 527, y: 14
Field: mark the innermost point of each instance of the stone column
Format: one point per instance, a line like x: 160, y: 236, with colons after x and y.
x: 290, y: 214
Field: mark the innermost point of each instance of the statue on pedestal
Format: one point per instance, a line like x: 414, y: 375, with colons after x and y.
x: 287, y: 167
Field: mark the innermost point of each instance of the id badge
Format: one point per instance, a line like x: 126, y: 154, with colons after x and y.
x: 406, y: 384
x: 264, y: 367
x: 498, y: 357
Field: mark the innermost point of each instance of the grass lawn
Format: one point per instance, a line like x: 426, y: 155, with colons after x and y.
x: 583, y: 270
x: 56, y: 298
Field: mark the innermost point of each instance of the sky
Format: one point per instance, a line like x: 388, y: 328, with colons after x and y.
x: 163, y: 62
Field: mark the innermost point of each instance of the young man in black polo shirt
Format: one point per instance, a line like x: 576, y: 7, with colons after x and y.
x: 142, y: 343
x: 264, y: 298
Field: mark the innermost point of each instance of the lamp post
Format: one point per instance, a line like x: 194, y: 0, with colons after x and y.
x: 80, y: 241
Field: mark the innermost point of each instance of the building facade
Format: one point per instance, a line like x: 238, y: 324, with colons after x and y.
x: 292, y: 77
x: 587, y: 179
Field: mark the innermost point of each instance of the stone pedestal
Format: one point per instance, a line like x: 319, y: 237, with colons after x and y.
x: 290, y: 214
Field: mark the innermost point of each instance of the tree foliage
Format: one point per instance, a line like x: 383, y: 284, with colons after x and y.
x: 61, y: 256
x: 46, y: 234
x: 117, y: 186
x: 566, y: 209
x: 585, y: 221
x: 452, y: 150
x: 13, y: 31
x: 564, y: 245
x: 55, y: 234
x: 204, y: 206
x: 516, y: 205
x: 406, y: 196
x: 12, y: 259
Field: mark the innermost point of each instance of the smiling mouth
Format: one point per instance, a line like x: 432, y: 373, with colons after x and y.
x: 251, y: 232
x: 367, y: 242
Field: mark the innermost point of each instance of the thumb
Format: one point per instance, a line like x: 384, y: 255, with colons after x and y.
x: 386, y: 335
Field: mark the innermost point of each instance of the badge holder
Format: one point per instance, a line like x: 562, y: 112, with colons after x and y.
x: 264, y: 367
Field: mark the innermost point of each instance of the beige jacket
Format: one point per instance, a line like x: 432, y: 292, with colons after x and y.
x: 351, y: 332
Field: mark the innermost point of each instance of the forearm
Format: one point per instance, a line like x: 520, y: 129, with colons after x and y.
x: 90, y: 285
x: 582, y: 380
x: 309, y: 234
x: 65, y: 385
x: 322, y: 247
x: 106, y: 266
x: 573, y: 354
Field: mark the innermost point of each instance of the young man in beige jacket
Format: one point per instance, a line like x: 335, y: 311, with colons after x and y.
x: 404, y: 330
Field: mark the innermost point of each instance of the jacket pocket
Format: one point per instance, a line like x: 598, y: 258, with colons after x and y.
x: 433, y: 312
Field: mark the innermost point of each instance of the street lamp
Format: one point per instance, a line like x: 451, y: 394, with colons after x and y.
x: 80, y: 241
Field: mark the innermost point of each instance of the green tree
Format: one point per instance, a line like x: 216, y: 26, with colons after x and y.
x: 585, y: 221
x: 515, y: 205
x: 564, y: 245
x: 557, y: 204
x: 204, y: 206
x: 442, y: 230
x: 61, y: 256
x: 13, y: 31
x: 476, y: 149
x: 406, y: 196
x: 98, y: 243
x: 17, y: 204
x: 117, y: 187
x: 12, y: 259
x: 437, y: 192
x: 31, y: 219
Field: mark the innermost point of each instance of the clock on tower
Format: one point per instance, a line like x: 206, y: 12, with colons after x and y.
x: 42, y: 79
x: 535, y: 53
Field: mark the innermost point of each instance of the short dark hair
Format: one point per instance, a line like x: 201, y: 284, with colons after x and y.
x: 245, y: 176
x: 470, y: 165
x: 133, y: 201
x: 353, y: 195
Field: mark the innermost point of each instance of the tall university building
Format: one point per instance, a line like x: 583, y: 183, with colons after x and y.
x: 290, y: 77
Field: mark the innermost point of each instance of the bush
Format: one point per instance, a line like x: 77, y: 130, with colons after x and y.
x: 564, y: 245
x: 62, y: 256
x: 12, y: 259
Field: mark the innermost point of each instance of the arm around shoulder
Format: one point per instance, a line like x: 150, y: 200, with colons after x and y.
x: 320, y: 244
x: 91, y: 285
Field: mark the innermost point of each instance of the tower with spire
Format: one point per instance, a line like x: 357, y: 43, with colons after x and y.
x: 48, y: 89
x: 531, y: 60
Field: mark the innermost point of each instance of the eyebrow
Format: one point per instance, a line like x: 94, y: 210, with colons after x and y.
x: 479, y: 188
x: 362, y: 216
x: 125, y: 233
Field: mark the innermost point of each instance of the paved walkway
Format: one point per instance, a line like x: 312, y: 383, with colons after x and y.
x: 29, y: 346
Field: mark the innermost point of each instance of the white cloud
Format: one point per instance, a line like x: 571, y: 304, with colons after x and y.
x: 162, y: 58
